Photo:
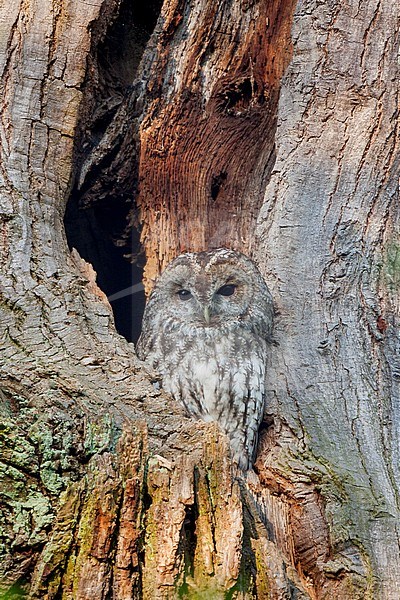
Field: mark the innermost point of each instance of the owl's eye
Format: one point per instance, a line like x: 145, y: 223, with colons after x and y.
x: 227, y: 290
x: 184, y: 294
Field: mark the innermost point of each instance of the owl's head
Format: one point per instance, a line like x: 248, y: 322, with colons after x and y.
x: 211, y: 289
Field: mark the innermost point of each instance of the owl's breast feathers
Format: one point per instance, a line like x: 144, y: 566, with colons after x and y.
x: 218, y: 375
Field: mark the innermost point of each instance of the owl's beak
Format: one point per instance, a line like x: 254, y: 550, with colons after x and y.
x: 207, y: 314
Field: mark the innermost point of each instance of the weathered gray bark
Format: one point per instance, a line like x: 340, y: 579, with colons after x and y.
x: 107, y: 490
x: 329, y: 232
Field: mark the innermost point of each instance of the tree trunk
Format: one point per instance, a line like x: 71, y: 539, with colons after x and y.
x: 262, y: 126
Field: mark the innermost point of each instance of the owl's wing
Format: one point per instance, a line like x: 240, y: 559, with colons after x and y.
x: 246, y: 409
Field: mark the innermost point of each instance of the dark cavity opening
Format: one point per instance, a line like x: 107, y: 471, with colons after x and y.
x: 93, y: 232
x: 187, y: 546
x: 238, y: 96
x: 100, y: 219
x: 216, y: 183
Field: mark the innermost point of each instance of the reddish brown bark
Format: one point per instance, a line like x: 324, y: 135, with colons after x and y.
x: 207, y: 136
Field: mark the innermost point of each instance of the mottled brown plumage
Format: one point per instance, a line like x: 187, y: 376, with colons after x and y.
x: 205, y: 330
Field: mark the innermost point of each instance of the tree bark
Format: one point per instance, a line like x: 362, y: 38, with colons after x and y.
x: 262, y: 126
x: 330, y: 219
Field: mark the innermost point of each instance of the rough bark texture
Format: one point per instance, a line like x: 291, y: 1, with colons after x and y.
x: 106, y: 489
x: 331, y: 215
x: 207, y: 134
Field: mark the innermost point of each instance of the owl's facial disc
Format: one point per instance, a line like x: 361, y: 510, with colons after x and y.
x: 194, y: 307
x: 228, y: 302
x: 227, y: 299
x: 208, y: 300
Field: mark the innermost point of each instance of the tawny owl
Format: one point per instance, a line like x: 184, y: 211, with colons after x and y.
x: 205, y: 330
